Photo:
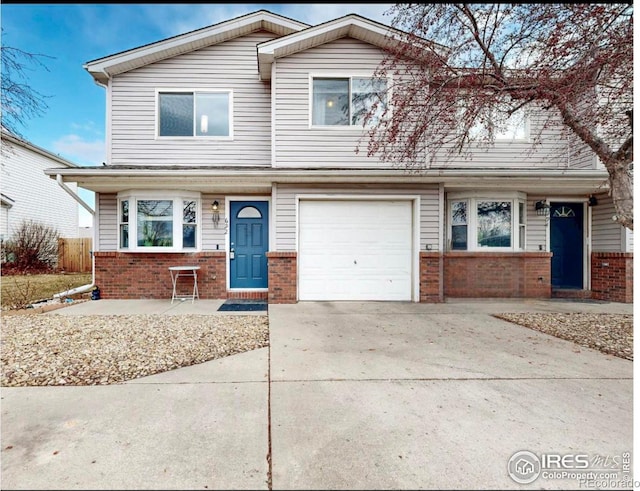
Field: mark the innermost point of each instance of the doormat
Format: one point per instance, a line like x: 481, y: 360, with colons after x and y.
x: 242, y: 305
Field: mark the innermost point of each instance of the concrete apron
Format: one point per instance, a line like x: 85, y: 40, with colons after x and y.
x: 360, y: 396
x: 406, y: 396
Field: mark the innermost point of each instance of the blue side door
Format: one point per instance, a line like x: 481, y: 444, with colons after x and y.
x: 567, y: 245
x: 249, y: 243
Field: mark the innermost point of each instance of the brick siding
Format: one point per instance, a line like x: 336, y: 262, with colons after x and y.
x: 454, y: 274
x: 497, y: 274
x: 431, y: 265
x: 146, y: 275
x: 283, y: 274
x: 612, y: 276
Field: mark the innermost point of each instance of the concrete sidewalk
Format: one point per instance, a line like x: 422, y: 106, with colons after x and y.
x: 161, y: 307
x: 348, y: 396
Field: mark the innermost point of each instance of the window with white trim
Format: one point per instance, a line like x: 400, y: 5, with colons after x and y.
x: 345, y: 101
x: 161, y: 222
x: 486, y: 223
x: 497, y: 126
x: 201, y: 113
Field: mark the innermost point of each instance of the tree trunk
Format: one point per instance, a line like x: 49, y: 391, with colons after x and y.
x: 621, y: 190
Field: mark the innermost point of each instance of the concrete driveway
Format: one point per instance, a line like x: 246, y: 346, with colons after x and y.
x: 348, y: 396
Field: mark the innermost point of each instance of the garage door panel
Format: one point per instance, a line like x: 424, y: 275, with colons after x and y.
x: 355, y: 250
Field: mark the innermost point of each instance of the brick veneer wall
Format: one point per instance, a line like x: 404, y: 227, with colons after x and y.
x: 497, y: 274
x: 612, y: 276
x: 431, y: 266
x: 283, y: 274
x: 146, y: 275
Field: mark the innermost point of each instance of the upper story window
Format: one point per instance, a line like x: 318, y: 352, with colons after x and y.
x: 514, y: 128
x: 486, y: 223
x: 345, y: 101
x: 499, y: 127
x: 188, y: 113
x: 158, y: 221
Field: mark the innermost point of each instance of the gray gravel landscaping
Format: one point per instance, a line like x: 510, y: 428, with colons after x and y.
x: 608, y: 333
x: 39, y: 349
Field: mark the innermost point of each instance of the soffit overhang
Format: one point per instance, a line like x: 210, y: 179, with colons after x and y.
x: 261, y: 179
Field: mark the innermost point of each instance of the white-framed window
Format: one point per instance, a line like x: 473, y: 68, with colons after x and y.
x: 345, y: 101
x: 194, y: 113
x: 492, y: 124
x: 486, y: 222
x: 156, y: 221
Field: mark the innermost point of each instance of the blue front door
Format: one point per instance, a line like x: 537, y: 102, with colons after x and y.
x: 249, y: 243
x: 567, y: 239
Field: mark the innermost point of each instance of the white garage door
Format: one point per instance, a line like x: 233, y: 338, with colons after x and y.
x: 355, y: 250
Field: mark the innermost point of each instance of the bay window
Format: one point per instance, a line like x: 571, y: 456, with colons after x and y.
x: 158, y: 221
x: 345, y: 101
x: 486, y: 222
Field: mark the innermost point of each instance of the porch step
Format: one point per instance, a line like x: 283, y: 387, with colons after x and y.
x: 570, y: 293
x: 248, y: 295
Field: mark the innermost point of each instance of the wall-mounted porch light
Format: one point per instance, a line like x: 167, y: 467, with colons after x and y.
x: 542, y: 208
x: 593, y: 201
x: 215, y: 213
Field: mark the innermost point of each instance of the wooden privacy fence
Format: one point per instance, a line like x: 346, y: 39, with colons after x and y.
x: 74, y: 255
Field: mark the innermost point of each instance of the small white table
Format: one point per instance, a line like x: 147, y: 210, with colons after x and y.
x: 178, y: 271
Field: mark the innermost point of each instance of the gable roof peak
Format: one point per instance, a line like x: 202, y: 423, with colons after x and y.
x: 102, y: 69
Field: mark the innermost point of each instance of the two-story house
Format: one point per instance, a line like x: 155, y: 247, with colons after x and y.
x: 232, y: 148
x: 29, y: 195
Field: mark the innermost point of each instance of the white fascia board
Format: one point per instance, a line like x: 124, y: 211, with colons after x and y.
x: 101, y: 66
x: 269, y: 172
x: 38, y: 150
x: 270, y: 50
x: 6, y: 201
x: 270, y: 47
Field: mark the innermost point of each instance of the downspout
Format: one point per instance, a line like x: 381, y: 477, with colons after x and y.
x: 83, y: 288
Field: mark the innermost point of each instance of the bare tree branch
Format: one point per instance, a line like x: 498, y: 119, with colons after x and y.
x: 566, y: 64
x: 19, y: 101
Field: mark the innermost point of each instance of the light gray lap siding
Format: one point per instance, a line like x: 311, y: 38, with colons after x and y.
x: 212, y: 236
x: 296, y: 143
x: 229, y: 65
x: 607, y: 235
x: 108, y: 230
x: 286, y: 209
x: 536, y: 227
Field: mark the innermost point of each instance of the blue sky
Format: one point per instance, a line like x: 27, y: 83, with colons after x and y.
x: 73, y: 34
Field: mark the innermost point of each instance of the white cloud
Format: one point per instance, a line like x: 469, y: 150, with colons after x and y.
x: 81, y: 151
x: 89, y: 127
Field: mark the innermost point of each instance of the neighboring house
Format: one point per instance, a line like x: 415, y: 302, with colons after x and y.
x: 28, y: 194
x: 232, y: 148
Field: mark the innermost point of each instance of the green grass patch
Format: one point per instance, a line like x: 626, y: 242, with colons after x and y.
x: 18, y: 291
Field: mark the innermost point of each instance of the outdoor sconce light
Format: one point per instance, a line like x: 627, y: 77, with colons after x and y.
x: 215, y: 213
x: 542, y: 208
x: 593, y: 201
